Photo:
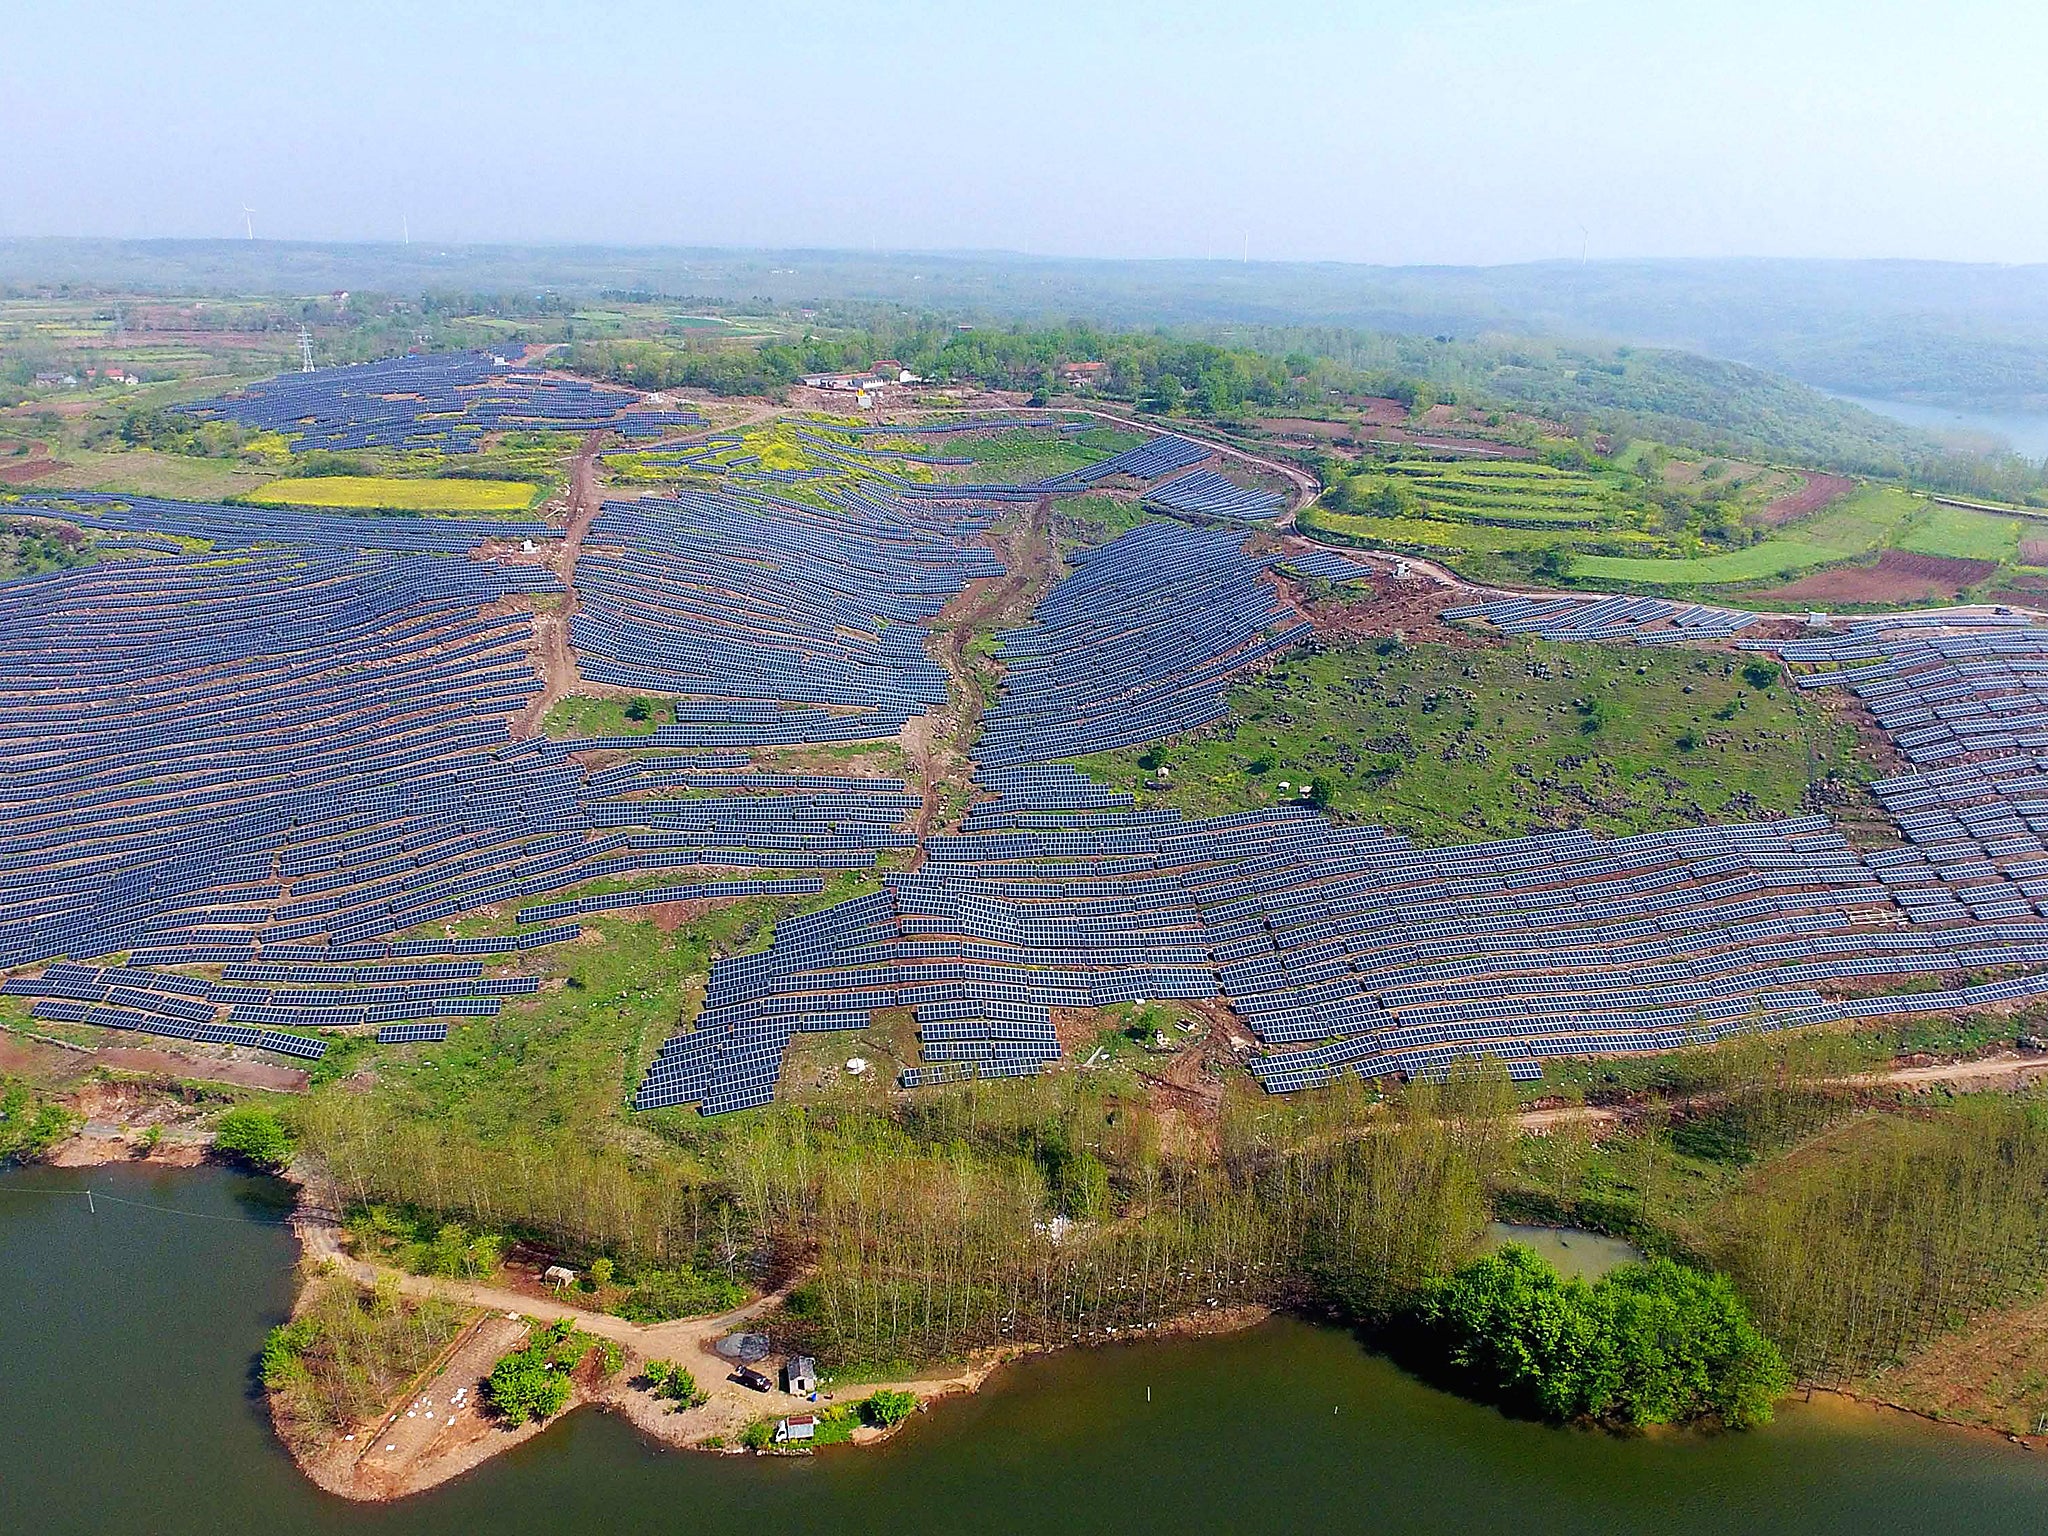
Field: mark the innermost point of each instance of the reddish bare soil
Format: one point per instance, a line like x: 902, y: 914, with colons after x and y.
x: 1818, y: 491
x: 553, y: 655
x: 2034, y: 551
x: 245, y: 1074
x: 1897, y: 577
x: 35, y: 462
x: 1384, y: 607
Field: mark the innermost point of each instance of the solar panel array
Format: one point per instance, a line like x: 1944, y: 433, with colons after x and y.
x: 1325, y: 565
x: 444, y: 400
x: 1943, y: 686
x: 279, y: 762
x: 1349, y: 950
x: 1645, y: 620
x: 1137, y: 644
x: 244, y: 527
x: 1209, y: 494
x: 771, y: 620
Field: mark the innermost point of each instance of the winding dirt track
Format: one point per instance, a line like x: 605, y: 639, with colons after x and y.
x: 553, y: 653
x: 2000, y: 1072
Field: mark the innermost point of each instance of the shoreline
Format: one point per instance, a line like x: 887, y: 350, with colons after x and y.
x: 356, y: 1470
x: 352, y: 1468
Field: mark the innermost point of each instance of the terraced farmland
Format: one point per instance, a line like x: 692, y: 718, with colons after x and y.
x: 1515, y: 494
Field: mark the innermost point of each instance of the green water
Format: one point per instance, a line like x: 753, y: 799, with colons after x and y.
x: 1571, y: 1252
x: 127, y: 1407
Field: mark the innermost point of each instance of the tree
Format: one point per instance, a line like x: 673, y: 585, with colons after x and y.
x: 888, y: 1409
x: 253, y: 1135
x: 522, y: 1388
x: 1652, y: 1343
x: 638, y: 709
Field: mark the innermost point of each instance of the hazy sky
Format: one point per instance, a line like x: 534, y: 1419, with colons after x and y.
x: 1456, y: 131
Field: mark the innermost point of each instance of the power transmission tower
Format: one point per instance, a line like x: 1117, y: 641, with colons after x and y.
x: 305, y: 350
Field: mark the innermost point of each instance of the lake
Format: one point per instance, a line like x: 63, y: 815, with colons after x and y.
x: 2025, y: 431
x: 130, y: 1330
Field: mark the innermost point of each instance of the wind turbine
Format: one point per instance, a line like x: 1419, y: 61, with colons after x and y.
x: 249, y: 220
x: 407, y: 224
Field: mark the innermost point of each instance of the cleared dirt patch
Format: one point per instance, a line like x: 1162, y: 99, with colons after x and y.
x: 1384, y: 608
x: 1818, y: 491
x: 1897, y: 577
x: 244, y: 1074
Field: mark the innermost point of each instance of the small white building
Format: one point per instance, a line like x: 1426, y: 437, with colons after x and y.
x: 558, y: 1275
x: 798, y: 1426
x: 800, y: 1376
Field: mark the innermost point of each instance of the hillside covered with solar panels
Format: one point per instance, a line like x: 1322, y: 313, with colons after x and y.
x: 278, y: 779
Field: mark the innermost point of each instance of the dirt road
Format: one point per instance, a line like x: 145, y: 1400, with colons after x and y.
x: 687, y: 1341
x: 939, y: 743
x: 553, y: 653
x: 1306, y: 487
x: 2000, y: 1072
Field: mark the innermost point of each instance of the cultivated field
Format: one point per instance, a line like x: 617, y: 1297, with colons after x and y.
x: 363, y: 492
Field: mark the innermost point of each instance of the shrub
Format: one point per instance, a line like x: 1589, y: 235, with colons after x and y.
x: 662, y: 1295
x: 1652, y: 1343
x: 533, y: 1383
x: 253, y: 1135
x: 284, y: 1349
x: 886, y: 1409
x: 1759, y: 674
x: 668, y: 1380
x: 30, y: 1124
x: 522, y: 1388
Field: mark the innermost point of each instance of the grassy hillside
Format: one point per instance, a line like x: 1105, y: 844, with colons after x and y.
x: 1451, y: 745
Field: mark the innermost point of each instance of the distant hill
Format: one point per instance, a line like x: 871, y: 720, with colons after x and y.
x: 1934, y: 331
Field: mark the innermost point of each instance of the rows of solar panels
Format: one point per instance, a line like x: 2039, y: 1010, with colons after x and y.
x: 164, y: 523
x: 445, y: 401
x: 1347, y: 950
x: 287, y: 758
x: 1139, y: 643
x: 772, y: 620
x: 296, y: 756
x: 1645, y: 620
x: 1209, y: 494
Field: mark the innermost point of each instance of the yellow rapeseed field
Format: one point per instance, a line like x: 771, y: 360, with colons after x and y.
x: 403, y: 495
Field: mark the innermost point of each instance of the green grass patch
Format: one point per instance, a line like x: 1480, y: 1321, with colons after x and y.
x: 148, y: 473
x: 1452, y: 745
x: 394, y: 494
x: 1514, y: 492
x: 1865, y: 521
x: 1020, y: 456
x: 578, y: 715
x: 1099, y: 518
x: 1962, y: 534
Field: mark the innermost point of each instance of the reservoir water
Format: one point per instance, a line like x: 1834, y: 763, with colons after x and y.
x: 2025, y: 431
x: 129, y: 1332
